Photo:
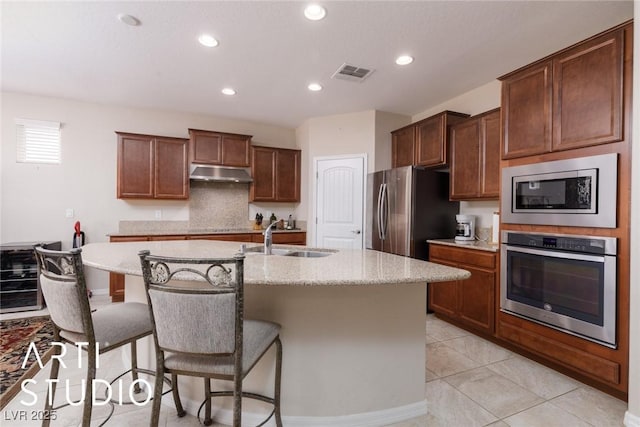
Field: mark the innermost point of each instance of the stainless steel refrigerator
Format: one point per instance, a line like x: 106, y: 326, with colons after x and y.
x: 405, y: 207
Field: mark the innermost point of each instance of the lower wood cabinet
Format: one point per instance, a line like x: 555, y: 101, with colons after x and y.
x: 290, y: 238
x: 116, y: 281
x: 468, y: 302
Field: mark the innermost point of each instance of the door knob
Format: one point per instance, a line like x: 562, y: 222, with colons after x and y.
x: 355, y: 231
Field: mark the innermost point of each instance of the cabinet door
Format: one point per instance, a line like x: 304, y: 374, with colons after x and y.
x: 526, y: 112
x: 587, y: 87
x: 490, y: 159
x: 135, y: 166
x: 465, y: 160
x: 263, y: 167
x: 443, y: 298
x: 235, y: 150
x: 205, y: 147
x: 116, y: 281
x: 402, y: 147
x: 288, y: 176
x: 477, y: 299
x: 430, y: 143
x: 171, y: 168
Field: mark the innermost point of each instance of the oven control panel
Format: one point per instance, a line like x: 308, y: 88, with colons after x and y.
x: 559, y: 242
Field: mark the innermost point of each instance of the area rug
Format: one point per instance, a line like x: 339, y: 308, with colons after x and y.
x: 15, y: 337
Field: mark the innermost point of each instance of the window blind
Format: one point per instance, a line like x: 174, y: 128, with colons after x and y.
x: 38, y: 141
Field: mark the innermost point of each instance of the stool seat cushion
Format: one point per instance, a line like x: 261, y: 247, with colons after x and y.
x: 116, y: 325
x: 257, y: 336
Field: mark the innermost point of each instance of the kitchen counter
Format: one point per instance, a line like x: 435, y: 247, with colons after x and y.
x: 474, y: 244
x: 353, y: 329
x: 342, y: 268
x: 197, y: 231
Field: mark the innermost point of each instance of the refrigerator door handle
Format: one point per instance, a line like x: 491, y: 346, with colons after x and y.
x: 385, y: 211
x: 379, y: 213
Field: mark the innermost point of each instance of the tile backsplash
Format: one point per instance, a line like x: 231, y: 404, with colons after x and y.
x: 218, y: 205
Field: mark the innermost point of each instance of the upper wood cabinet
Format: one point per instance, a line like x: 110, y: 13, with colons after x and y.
x: 276, y: 175
x: 526, y: 112
x: 571, y: 99
x: 217, y: 148
x: 403, y: 146
x: 152, y: 167
x: 475, y: 157
x: 424, y: 143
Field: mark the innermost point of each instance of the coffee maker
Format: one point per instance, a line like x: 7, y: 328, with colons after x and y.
x: 465, y: 227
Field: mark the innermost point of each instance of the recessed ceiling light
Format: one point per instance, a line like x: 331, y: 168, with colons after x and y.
x: 207, y: 40
x: 315, y: 12
x: 228, y: 91
x: 315, y: 87
x: 128, y: 19
x: 404, y: 60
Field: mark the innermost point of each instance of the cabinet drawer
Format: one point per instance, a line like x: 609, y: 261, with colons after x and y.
x: 583, y: 361
x: 472, y: 257
x: 246, y: 237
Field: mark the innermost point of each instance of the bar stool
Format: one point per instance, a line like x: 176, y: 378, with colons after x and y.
x: 201, y: 331
x: 65, y: 290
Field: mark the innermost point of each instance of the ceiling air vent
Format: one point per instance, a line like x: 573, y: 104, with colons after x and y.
x: 351, y: 73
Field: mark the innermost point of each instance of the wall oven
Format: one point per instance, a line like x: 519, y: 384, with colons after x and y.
x: 573, y: 192
x: 564, y: 281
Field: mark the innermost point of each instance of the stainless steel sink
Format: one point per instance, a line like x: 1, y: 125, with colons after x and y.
x: 289, y: 252
x: 308, y: 254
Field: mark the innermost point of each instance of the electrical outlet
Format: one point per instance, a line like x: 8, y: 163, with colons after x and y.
x: 158, y: 214
x: 68, y: 213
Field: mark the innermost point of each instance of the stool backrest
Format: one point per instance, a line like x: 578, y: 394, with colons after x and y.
x: 196, y: 304
x: 65, y: 290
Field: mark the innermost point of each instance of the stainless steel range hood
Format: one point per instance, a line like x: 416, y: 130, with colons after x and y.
x: 212, y: 173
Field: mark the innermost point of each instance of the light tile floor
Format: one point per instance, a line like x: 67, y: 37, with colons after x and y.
x: 469, y: 382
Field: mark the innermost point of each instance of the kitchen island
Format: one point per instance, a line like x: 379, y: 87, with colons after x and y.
x: 353, y: 328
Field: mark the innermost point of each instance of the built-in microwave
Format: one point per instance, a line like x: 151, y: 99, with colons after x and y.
x: 578, y: 192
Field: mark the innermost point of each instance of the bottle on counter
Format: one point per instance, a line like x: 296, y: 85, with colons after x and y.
x: 273, y: 218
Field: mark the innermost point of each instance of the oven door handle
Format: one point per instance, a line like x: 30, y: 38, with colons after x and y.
x: 557, y: 254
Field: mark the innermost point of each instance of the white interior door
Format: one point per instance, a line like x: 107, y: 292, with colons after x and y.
x: 340, y: 202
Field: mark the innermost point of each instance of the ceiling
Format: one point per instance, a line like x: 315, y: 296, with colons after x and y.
x: 269, y: 52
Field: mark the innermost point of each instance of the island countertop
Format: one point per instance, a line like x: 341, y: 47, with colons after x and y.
x: 352, y: 322
x: 341, y: 268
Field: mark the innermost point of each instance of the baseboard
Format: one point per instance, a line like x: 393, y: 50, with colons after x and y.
x: 631, y: 420
x: 366, y: 419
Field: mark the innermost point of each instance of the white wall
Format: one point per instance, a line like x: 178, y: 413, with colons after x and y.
x: 476, y: 101
x: 633, y: 413
x: 34, y: 197
x: 384, y: 124
x: 479, y: 100
x: 337, y: 135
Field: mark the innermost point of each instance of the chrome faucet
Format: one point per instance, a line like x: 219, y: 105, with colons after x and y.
x: 268, y: 238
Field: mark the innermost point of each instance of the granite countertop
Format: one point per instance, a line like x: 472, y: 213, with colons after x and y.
x: 473, y: 244
x: 194, y: 231
x: 341, y: 268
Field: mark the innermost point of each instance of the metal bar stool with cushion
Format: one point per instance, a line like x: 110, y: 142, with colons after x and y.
x: 65, y: 291
x: 199, y: 330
